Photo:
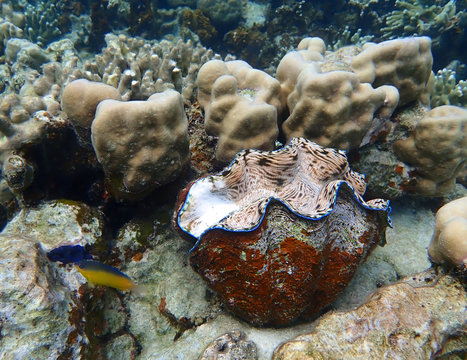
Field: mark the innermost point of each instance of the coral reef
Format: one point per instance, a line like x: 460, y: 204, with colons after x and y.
x: 329, y: 96
x: 449, y: 243
x: 139, y: 68
x: 420, y: 18
x: 277, y: 236
x: 44, y: 21
x: 334, y: 109
x: 437, y: 149
x: 256, y: 219
x: 141, y: 145
x: 447, y: 90
x: 136, y: 71
x: 31, y: 117
x: 242, y: 105
x: 403, y: 63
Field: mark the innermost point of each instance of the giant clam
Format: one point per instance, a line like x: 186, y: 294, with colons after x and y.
x: 279, y: 234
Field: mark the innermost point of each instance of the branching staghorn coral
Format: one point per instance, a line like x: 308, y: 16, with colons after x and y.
x: 8, y: 31
x: 420, y: 18
x: 349, y: 38
x: 447, y: 91
x: 42, y: 19
x: 138, y: 68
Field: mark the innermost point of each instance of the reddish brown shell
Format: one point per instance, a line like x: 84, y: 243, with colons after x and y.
x: 289, y: 267
x: 280, y: 234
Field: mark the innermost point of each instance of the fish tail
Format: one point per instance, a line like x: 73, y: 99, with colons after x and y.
x: 139, y: 290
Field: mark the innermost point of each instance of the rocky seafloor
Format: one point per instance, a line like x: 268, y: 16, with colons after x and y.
x: 101, y: 163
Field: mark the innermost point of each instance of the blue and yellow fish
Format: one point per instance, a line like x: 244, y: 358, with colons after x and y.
x: 98, y: 273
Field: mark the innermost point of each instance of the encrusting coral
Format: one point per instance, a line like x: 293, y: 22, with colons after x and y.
x: 437, y: 149
x: 242, y: 106
x: 280, y: 234
x: 141, y: 145
x: 449, y: 242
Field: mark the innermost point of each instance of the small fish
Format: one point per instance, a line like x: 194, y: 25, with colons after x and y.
x: 98, y: 273
x: 69, y: 254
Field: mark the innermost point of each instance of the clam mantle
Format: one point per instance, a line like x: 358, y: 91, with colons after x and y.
x: 279, y: 234
x: 304, y: 176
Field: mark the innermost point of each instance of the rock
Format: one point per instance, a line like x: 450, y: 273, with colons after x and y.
x: 39, y: 315
x: 231, y: 346
x: 59, y: 221
x: 413, y: 319
x: 449, y: 242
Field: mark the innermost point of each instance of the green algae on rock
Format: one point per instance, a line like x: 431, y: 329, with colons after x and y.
x: 60, y: 221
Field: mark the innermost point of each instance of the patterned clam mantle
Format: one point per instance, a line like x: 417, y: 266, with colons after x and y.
x: 280, y: 234
x: 303, y: 176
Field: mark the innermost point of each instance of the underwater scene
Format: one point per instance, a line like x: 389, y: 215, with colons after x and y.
x: 235, y: 180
